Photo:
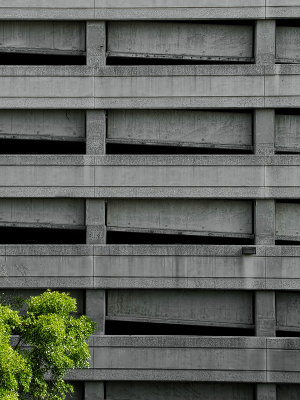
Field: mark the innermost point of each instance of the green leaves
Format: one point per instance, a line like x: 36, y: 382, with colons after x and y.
x: 15, y: 371
x: 56, y: 342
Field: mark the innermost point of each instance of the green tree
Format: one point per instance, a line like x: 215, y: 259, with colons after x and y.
x: 52, y: 340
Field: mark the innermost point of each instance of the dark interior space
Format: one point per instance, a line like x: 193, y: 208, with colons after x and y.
x: 113, y: 60
x: 287, y: 334
x: 145, y: 328
x: 40, y: 59
x: 114, y: 237
x: 16, y: 146
x: 16, y: 235
x: 121, y: 148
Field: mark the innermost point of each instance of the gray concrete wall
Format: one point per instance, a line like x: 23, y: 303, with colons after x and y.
x: 254, y: 285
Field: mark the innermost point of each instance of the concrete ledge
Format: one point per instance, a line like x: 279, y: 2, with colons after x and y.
x: 164, y: 267
x: 131, y: 9
x: 151, y: 176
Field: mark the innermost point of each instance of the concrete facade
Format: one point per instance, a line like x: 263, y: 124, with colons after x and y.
x: 177, y: 228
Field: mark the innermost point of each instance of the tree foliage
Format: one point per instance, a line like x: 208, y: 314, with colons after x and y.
x: 52, y: 340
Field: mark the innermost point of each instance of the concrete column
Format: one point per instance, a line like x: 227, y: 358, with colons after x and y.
x: 94, y: 391
x: 265, y: 222
x: 95, y: 221
x: 265, y: 314
x: 96, y: 43
x: 95, y: 132
x: 264, y: 132
x: 266, y: 391
x: 95, y: 308
x: 265, y: 42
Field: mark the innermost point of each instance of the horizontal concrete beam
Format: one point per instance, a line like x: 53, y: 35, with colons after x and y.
x: 271, y: 360
x: 132, y: 9
x: 157, y: 87
x: 244, y: 177
x: 164, y: 267
x: 151, y: 10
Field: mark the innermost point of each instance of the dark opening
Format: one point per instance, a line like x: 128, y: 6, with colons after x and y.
x: 121, y: 148
x: 113, y: 60
x: 40, y: 59
x: 288, y: 22
x: 16, y: 235
x: 149, y: 238
x: 15, y: 146
x: 287, y: 334
x: 145, y: 328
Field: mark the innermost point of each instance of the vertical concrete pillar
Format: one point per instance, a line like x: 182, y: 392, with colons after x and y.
x: 95, y: 221
x: 265, y: 42
x: 96, y: 43
x: 265, y: 314
x: 95, y: 132
x: 266, y: 391
x: 264, y: 132
x: 94, y: 391
x: 265, y: 222
x: 95, y: 308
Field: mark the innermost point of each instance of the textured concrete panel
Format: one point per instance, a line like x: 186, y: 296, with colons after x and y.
x: 287, y: 131
x: 178, y: 391
x: 181, y: 128
x: 42, y: 37
x: 152, y: 39
x: 223, y: 218
x: 52, y: 213
x: 208, y: 308
x: 287, y: 221
x: 287, y: 311
x: 287, y: 44
x: 42, y: 124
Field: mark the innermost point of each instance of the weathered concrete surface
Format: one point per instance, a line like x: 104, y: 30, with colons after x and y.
x: 42, y: 124
x: 167, y: 358
x: 190, y: 217
x: 150, y: 87
x: 287, y: 221
x: 178, y: 391
x: 180, y: 40
x: 132, y: 9
x: 287, y: 130
x: 45, y: 37
x: 205, y: 308
x: 164, y: 267
x: 51, y: 213
x: 181, y: 128
x: 287, y: 44
x: 287, y: 311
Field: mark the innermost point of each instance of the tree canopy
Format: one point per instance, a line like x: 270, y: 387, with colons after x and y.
x: 51, y: 340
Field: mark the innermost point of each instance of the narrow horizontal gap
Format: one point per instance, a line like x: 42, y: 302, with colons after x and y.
x: 287, y: 242
x: 16, y: 146
x: 287, y: 111
x: 114, y: 237
x: 16, y: 235
x: 288, y: 151
x: 288, y: 201
x: 288, y: 22
x: 40, y: 59
x: 170, y: 61
x: 287, y: 334
x: 144, y: 328
x: 124, y: 148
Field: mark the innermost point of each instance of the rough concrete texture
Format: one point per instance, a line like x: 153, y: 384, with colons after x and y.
x: 245, y: 115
